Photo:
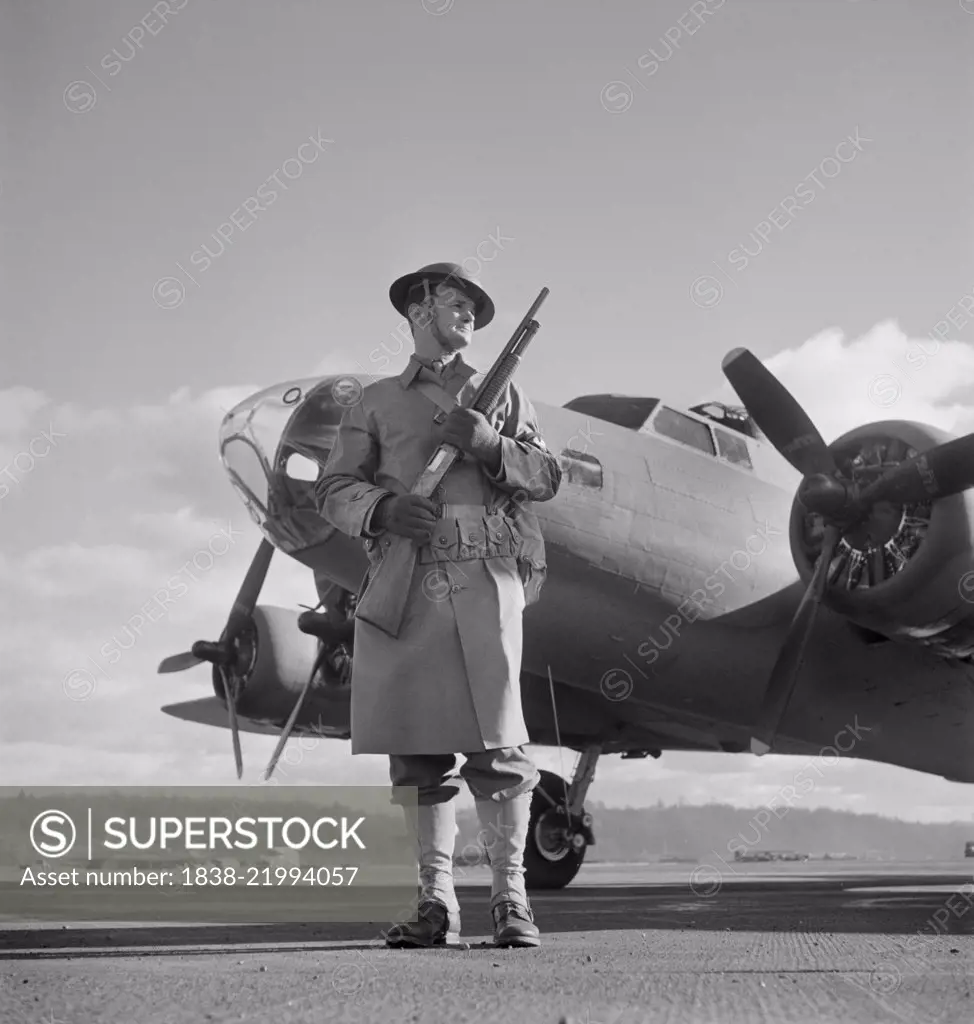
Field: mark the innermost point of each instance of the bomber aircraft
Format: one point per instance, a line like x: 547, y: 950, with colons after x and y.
x: 719, y: 579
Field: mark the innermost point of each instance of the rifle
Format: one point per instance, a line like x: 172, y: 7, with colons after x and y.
x: 384, y: 601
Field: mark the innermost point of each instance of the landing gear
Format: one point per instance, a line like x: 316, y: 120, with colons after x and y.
x: 558, y: 835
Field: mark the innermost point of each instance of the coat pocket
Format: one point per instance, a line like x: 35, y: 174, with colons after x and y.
x: 532, y: 579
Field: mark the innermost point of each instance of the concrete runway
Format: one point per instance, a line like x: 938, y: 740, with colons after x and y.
x: 838, y: 941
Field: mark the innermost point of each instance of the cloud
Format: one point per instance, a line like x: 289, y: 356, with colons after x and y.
x: 68, y: 571
x: 132, y: 497
x: 127, y: 535
x: 19, y: 407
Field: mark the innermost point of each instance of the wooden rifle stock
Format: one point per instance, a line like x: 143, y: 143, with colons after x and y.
x: 384, y: 602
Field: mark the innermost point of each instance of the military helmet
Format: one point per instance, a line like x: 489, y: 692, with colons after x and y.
x: 444, y: 273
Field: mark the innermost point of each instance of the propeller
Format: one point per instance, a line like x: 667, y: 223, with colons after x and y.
x: 180, y: 662
x: 940, y: 472
x: 293, y: 717
x: 223, y: 653
x: 784, y: 675
x: 329, y: 632
x: 783, y: 421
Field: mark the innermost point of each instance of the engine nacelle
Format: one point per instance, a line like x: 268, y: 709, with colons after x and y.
x: 273, y: 664
x: 906, y: 572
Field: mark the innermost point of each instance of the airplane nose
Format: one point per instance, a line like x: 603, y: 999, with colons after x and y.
x: 273, y: 446
x: 278, y: 439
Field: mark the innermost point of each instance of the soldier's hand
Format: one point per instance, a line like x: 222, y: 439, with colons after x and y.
x: 408, y: 515
x: 470, y: 432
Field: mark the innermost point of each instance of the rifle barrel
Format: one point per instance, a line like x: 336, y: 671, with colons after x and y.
x: 515, y: 343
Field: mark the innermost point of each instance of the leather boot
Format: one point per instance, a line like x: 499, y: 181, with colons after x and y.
x: 438, y: 921
x: 504, y: 826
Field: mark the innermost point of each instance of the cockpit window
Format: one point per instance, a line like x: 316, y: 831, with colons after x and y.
x: 580, y: 468
x: 248, y: 473
x: 300, y: 467
x: 622, y: 410
x: 733, y: 448
x: 735, y: 417
x: 682, y: 428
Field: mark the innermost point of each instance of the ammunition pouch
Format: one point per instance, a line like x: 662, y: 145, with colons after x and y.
x: 467, y: 532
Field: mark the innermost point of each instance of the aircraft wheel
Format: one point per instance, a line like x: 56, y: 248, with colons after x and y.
x: 551, y: 859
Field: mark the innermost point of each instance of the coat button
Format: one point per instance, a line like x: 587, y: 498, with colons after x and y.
x: 456, y: 588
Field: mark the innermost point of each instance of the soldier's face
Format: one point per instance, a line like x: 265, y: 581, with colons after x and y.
x: 452, y: 317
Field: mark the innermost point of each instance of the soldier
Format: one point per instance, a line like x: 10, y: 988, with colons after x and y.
x: 450, y: 682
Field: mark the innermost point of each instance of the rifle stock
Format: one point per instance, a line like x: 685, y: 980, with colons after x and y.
x: 384, y: 602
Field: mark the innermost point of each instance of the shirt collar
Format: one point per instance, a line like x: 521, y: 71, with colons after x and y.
x: 417, y: 363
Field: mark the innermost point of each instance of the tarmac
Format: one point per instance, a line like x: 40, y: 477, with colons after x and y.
x: 623, y: 944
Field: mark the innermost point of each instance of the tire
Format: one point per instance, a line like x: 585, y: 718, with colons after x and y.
x: 544, y: 869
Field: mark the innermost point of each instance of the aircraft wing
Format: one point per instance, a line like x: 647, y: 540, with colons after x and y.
x: 211, y: 711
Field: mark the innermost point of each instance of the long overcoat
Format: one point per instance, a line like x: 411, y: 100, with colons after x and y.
x: 450, y: 682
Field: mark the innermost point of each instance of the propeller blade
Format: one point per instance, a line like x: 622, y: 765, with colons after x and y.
x: 778, y: 414
x: 293, y: 717
x: 243, y: 606
x: 230, y: 698
x: 939, y: 473
x: 179, y: 662
x: 784, y: 675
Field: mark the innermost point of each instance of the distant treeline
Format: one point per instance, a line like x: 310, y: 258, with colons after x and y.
x: 648, y: 833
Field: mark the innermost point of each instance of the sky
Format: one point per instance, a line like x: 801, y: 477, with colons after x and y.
x: 200, y: 200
